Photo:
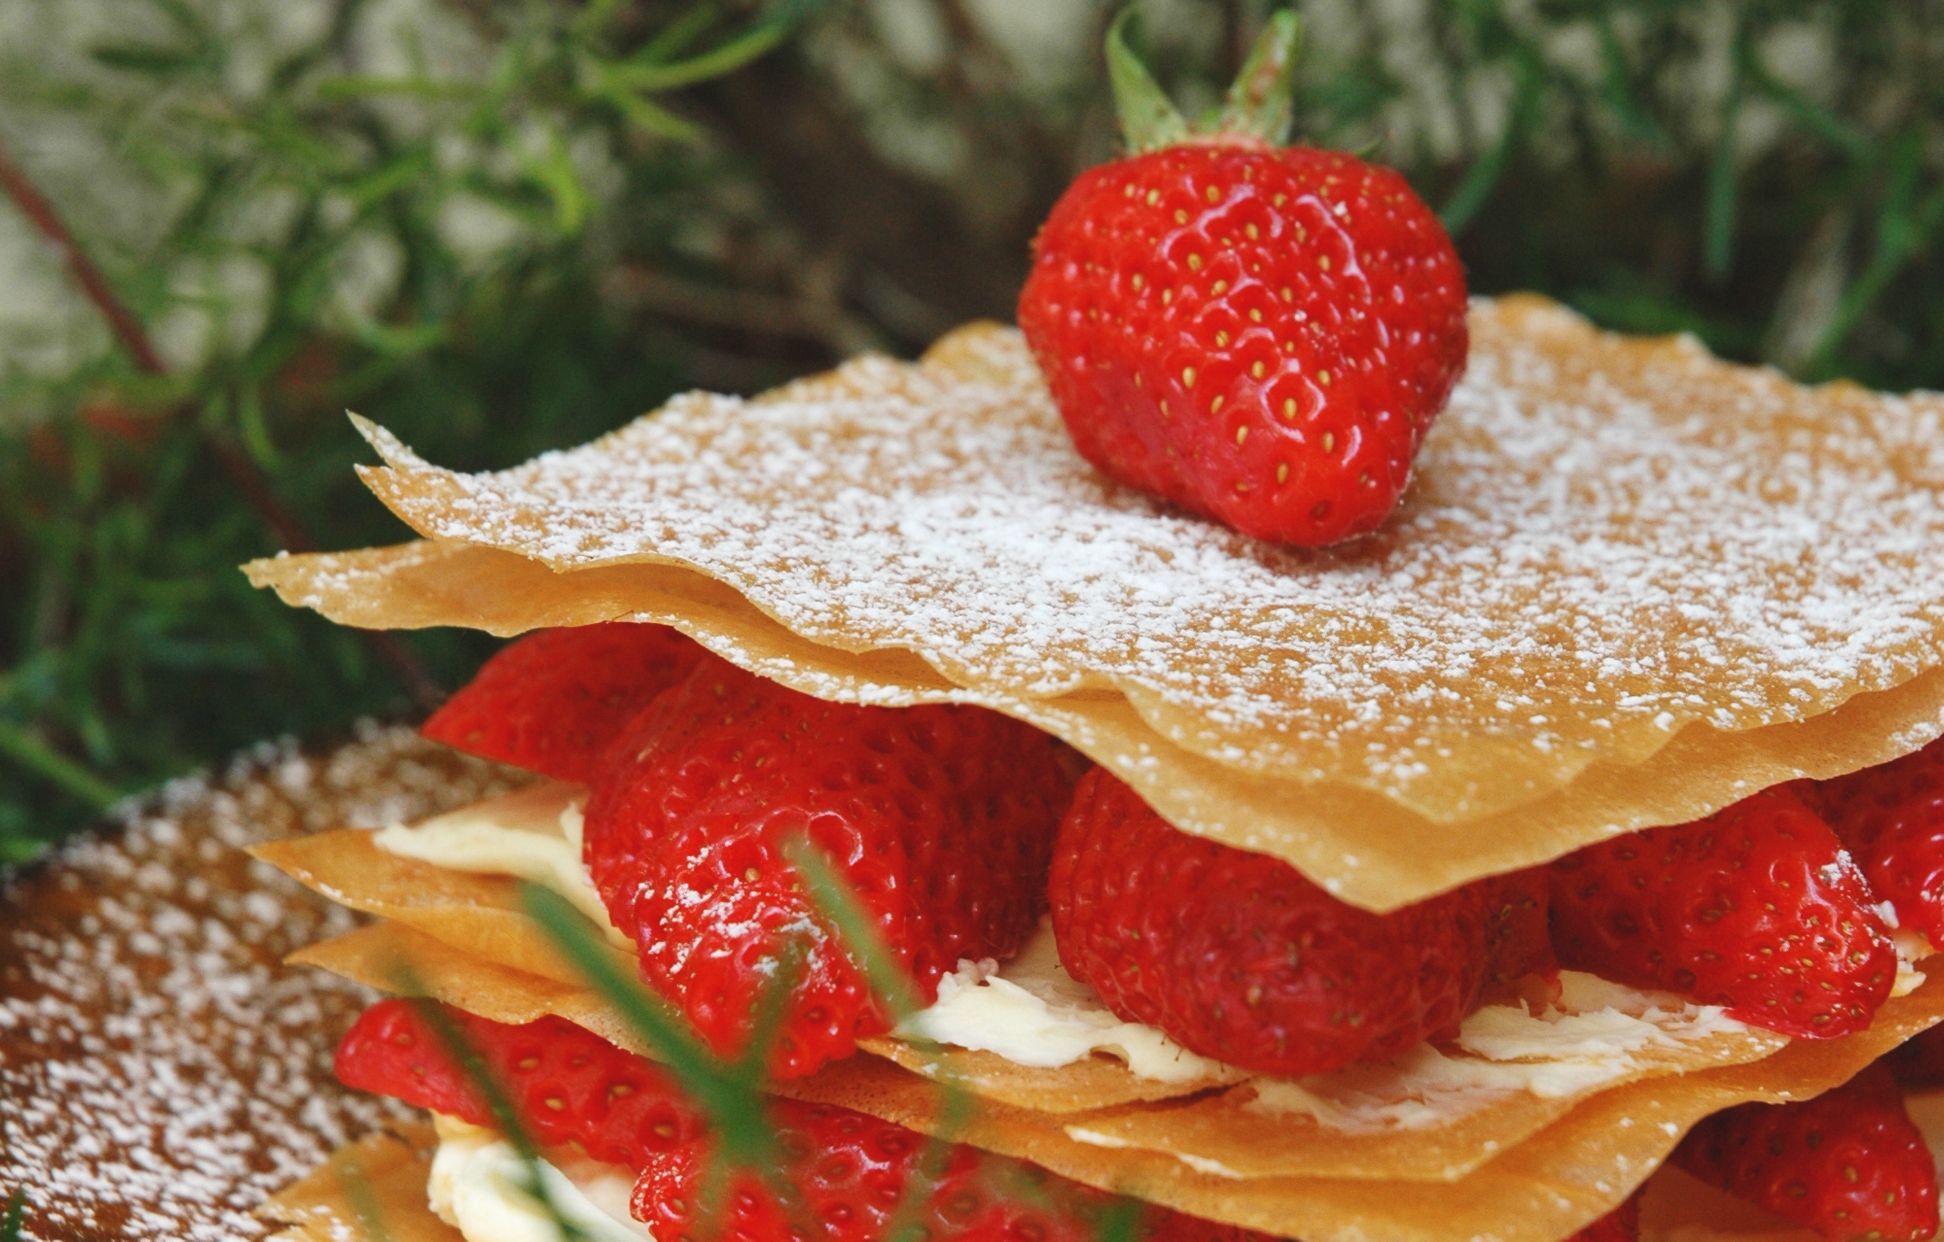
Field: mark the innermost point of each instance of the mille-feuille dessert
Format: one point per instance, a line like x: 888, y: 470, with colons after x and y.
x: 1251, y: 845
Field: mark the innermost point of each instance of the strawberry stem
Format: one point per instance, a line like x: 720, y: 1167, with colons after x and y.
x: 1149, y: 120
x: 1261, y: 102
x: 1257, y: 107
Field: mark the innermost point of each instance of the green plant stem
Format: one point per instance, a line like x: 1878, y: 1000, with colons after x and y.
x: 729, y: 1098
x: 49, y: 764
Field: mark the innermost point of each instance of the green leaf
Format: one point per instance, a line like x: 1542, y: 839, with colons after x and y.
x: 553, y: 171
x: 650, y: 76
x: 10, y: 1224
x: 349, y: 86
x: 154, y: 59
x: 39, y: 759
x: 1904, y: 225
x: 1616, y: 87
x: 676, y: 37
x: 1805, y: 112
x: 1718, y: 228
x: 1149, y: 119
x: 1483, y: 176
x: 1261, y: 100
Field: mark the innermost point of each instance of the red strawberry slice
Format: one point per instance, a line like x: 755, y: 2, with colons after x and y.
x: 939, y: 818
x: 1755, y: 908
x: 1622, y: 1224
x: 565, y: 1084
x: 1891, y: 818
x: 843, y: 1177
x: 1848, y: 1164
x: 552, y: 701
x: 1518, y: 941
x: 1919, y: 1060
x: 1237, y: 956
x: 1258, y: 333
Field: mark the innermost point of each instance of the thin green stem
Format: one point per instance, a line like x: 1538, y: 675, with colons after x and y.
x: 730, y: 1100
x: 51, y: 765
x: 1718, y: 252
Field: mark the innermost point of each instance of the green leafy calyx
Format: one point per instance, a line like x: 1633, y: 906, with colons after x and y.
x: 1257, y: 108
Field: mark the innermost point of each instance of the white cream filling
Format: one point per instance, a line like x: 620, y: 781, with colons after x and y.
x: 481, y: 1187
x: 1030, y: 1011
x: 1912, y: 947
x: 1592, y: 1037
x: 533, y: 834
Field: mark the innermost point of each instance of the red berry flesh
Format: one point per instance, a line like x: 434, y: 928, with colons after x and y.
x: 1755, y: 908
x: 939, y: 819
x: 1237, y: 956
x: 552, y: 701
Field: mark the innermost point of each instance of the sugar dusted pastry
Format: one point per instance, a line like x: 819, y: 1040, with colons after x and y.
x: 809, y: 580
x: 1633, y: 585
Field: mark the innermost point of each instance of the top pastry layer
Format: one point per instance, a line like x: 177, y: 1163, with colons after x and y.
x: 1610, y: 539
x: 1618, y: 550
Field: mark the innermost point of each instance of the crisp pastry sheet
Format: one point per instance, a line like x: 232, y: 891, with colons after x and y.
x: 1675, y: 1208
x: 478, y: 916
x: 1570, y: 1173
x: 373, y: 1188
x: 1631, y: 581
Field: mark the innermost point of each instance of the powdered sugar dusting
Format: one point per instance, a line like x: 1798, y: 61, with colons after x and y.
x: 1610, y: 540
x: 160, y: 1072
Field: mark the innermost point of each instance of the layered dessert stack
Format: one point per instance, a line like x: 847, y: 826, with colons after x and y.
x: 1562, y: 859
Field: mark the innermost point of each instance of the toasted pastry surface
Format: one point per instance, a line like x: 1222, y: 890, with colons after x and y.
x: 1633, y: 584
x: 371, y: 1188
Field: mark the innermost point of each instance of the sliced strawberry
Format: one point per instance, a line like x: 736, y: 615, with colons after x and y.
x: 1919, y: 1061
x: 1848, y: 1164
x: 565, y: 1084
x: 1891, y: 818
x: 1622, y: 1224
x: 842, y: 1177
x: 552, y: 701
x: 1518, y: 940
x: 1237, y: 956
x: 1755, y: 908
x: 939, y: 818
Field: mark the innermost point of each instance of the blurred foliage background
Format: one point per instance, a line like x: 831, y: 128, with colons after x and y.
x: 502, y: 225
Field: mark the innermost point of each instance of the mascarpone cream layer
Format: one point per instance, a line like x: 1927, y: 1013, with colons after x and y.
x: 481, y: 1187
x: 1030, y: 1011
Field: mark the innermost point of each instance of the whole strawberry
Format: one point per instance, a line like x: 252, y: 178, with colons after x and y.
x: 1259, y: 333
x: 552, y: 701
x: 841, y: 1176
x: 939, y: 819
x: 1891, y: 818
x: 1848, y: 1164
x: 1755, y: 908
x: 1236, y: 956
x: 566, y: 1085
